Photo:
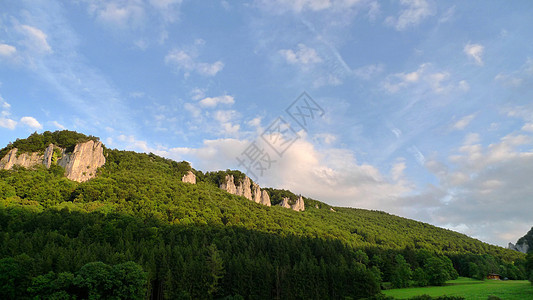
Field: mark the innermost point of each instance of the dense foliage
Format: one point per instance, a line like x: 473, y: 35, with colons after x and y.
x: 529, y: 266
x: 197, y: 241
x: 38, y: 142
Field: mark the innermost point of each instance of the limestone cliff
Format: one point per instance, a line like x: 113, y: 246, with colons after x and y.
x: 524, y: 247
x: 229, y: 185
x: 246, y: 189
x: 297, y: 206
x: 189, y: 178
x: 80, y: 165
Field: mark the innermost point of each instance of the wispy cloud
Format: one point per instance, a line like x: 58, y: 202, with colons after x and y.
x: 414, y: 13
x: 7, y: 50
x: 425, y: 77
x: 475, y: 52
x: 50, y: 51
x: 302, y: 56
x: 186, y: 60
x: 5, y: 120
x: 36, y: 39
x: 214, y: 101
x: 463, y: 122
x: 518, y: 77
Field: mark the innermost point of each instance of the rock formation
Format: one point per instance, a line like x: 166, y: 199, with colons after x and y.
x: 26, y: 160
x: 297, y: 206
x: 189, y: 178
x: 246, y: 189
x: 524, y: 247
x: 80, y: 165
x: 229, y: 185
x: 265, y: 198
x: 243, y: 189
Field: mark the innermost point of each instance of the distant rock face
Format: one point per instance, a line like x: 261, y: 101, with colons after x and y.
x: 524, y: 247
x: 265, y: 198
x: 229, y: 185
x: 246, y: 189
x: 189, y: 178
x: 80, y: 165
x: 243, y: 189
x: 26, y: 160
x: 299, y: 205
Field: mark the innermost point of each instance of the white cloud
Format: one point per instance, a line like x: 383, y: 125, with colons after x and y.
x: 211, y: 102
x: 462, y: 123
x: 31, y: 122
x: 528, y: 127
x: 119, y: 13
x: 332, y: 175
x: 58, y: 126
x: 5, y: 121
x: 302, y: 56
x: 325, y: 138
x: 36, y: 39
x: 255, y: 122
x: 475, y: 52
x: 483, y: 183
x: 197, y: 94
x: 425, y: 78
x: 415, y: 12
x: 368, y: 72
x: 7, y: 50
x: 518, y: 77
x: 186, y: 61
x: 169, y: 9
x: 447, y: 15
x: 300, y: 6
x: 193, y: 109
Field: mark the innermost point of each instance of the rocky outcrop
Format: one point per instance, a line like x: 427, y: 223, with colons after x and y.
x: 80, y: 165
x: 298, y: 205
x: 524, y: 247
x: 265, y: 198
x: 189, y: 178
x: 229, y: 185
x: 246, y: 189
x: 27, y: 160
x: 243, y: 189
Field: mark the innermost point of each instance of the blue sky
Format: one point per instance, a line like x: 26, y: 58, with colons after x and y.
x: 427, y: 105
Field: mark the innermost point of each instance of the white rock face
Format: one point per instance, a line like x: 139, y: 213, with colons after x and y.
x: 265, y: 198
x: 80, y: 165
x: 229, y: 185
x: 189, y: 178
x: 285, y: 203
x: 246, y: 189
x: 26, y: 160
x: 299, y: 205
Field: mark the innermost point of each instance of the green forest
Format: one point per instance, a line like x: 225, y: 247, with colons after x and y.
x: 137, y: 232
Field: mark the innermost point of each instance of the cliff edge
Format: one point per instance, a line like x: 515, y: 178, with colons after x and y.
x: 80, y: 165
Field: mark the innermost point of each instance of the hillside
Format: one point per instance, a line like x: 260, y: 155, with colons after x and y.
x: 196, y: 240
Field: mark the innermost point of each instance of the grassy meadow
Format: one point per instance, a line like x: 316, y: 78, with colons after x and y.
x: 471, y: 289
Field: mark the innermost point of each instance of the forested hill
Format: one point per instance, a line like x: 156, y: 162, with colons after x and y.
x: 197, y: 241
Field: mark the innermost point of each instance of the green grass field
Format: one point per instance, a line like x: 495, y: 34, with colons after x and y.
x: 471, y: 289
